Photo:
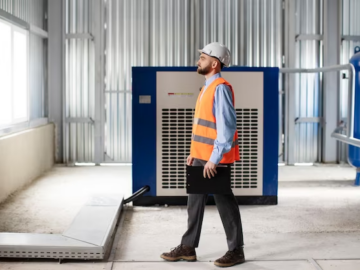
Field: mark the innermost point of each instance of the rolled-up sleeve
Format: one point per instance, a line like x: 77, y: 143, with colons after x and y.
x: 225, y: 115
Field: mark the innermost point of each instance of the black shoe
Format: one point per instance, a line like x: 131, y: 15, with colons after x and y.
x: 231, y: 258
x: 181, y: 252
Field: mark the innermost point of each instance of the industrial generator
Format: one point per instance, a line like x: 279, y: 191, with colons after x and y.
x: 163, y: 107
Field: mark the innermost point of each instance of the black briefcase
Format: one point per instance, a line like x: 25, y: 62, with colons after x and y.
x: 219, y: 184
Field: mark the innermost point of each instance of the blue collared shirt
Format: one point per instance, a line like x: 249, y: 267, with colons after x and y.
x: 225, y: 116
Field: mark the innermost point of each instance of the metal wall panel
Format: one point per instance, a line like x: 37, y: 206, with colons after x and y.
x: 169, y: 33
x: 127, y: 44
x: 6, y: 5
x: 31, y: 11
x: 307, y: 86
x: 80, y: 82
x: 350, y: 27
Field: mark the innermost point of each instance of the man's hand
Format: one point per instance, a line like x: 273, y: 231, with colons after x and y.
x: 189, y: 160
x: 209, y: 169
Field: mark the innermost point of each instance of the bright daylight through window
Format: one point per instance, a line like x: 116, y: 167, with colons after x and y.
x: 13, y: 74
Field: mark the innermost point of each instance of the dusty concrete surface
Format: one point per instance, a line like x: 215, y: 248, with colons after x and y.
x: 320, y: 223
x: 339, y: 265
x: 318, y: 172
x: 316, y: 224
x: 36, y: 265
x: 268, y: 265
x: 310, y: 224
x: 258, y: 265
x: 50, y: 203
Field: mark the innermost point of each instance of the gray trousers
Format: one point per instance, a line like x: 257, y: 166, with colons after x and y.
x: 229, y: 213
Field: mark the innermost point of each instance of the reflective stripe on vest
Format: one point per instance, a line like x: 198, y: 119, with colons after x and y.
x: 205, y: 123
x: 209, y: 141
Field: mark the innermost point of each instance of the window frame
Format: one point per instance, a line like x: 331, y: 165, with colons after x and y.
x: 26, y: 119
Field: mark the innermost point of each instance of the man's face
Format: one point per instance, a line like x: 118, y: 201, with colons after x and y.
x: 204, y: 64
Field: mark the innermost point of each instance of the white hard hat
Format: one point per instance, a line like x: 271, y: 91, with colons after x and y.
x: 219, y: 51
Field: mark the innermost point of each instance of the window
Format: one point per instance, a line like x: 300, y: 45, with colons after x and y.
x: 14, y: 69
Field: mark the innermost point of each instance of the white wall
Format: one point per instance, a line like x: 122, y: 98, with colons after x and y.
x: 24, y: 156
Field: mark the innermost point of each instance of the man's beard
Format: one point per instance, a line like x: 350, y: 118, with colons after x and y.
x: 204, y: 71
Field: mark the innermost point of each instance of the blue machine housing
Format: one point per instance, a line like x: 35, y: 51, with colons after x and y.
x: 144, y: 135
x: 354, y: 152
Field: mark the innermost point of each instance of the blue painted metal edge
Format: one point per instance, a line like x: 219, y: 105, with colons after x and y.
x: 271, y: 132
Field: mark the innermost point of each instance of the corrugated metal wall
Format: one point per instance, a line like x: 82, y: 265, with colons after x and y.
x: 33, y: 12
x: 168, y: 33
x: 350, y: 27
x: 80, y: 82
x: 30, y: 11
x: 308, y: 88
x: 171, y: 29
x: 127, y: 44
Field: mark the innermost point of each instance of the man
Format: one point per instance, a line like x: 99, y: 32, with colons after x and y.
x: 214, y: 141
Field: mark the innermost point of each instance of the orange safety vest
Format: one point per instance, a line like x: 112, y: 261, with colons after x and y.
x: 204, y: 127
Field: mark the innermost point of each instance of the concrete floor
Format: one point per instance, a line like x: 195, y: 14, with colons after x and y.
x: 51, y: 202
x: 318, y: 172
x: 316, y: 224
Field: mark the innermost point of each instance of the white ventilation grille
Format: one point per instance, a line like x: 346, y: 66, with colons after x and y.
x: 245, y: 172
x: 176, y: 140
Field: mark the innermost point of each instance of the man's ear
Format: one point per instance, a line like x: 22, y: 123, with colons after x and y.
x: 215, y: 64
